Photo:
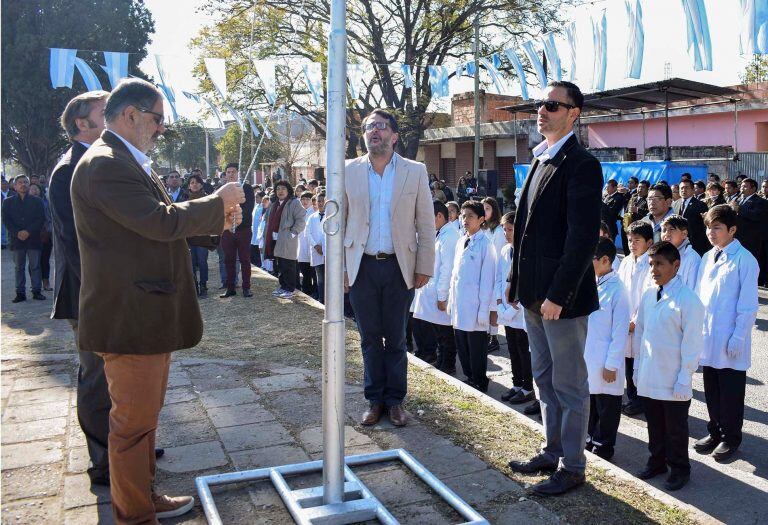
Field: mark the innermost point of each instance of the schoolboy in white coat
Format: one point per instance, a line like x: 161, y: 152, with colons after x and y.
x: 308, y: 278
x: 604, y: 353
x: 675, y: 230
x: 512, y: 319
x: 669, y: 335
x: 316, y: 239
x: 727, y: 285
x: 431, y: 300
x: 633, y: 274
x: 605, y: 232
x: 470, y: 297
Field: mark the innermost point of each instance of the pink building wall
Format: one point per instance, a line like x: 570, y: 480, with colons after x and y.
x: 714, y: 129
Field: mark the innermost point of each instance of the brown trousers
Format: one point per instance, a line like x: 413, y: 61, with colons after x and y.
x: 137, y: 385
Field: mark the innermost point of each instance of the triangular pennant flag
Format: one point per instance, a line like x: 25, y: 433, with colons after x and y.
x: 191, y: 96
x: 168, y: 95
x: 264, y: 126
x: 217, y: 72
x: 553, y: 58
x: 62, y: 67
x: 355, y: 77
x: 438, y: 81
x: 313, y: 74
x: 570, y: 36
x: 215, y: 112
x: 252, y: 124
x: 636, y: 38
x: 494, y: 74
x: 116, y: 66
x: 535, y: 60
x: 407, y: 76
x: 518, y: 66
x: 753, y: 35
x: 265, y: 69
x: 89, y: 77
x: 235, y: 115
x: 699, y: 43
x: 600, y: 43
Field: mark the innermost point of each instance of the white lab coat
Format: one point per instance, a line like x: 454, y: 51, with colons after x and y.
x: 258, y: 211
x: 607, y: 336
x: 315, y: 236
x: 497, y: 237
x: 728, y: 289
x: 470, y: 297
x: 437, y: 288
x: 689, y: 265
x: 260, y: 233
x: 669, y: 337
x: 617, y: 262
x: 634, y: 274
x: 457, y: 224
x: 303, y: 253
x: 507, y: 314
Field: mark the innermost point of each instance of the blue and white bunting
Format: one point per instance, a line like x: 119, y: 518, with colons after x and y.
x: 217, y: 72
x: 356, y: 82
x: 265, y: 69
x: 636, y: 38
x: 571, y: 39
x: 699, y: 42
x: 264, y: 126
x: 553, y: 57
x: 498, y: 82
x: 62, y: 67
x: 536, y: 63
x: 313, y: 74
x: 405, y: 69
x: 89, y: 77
x: 235, y: 115
x: 470, y: 68
x: 518, y: 66
x: 165, y: 87
x: 438, y: 81
x: 600, y: 43
x: 115, y: 66
x: 215, y: 112
x: 191, y: 96
x: 252, y: 124
x: 753, y: 34
x: 170, y: 98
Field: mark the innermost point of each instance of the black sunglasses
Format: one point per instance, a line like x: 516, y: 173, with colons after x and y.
x: 157, y: 117
x: 552, y: 106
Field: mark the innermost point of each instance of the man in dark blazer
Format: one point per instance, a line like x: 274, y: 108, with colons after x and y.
x: 613, y: 203
x: 136, y: 275
x: 83, y: 122
x: 692, y: 209
x: 753, y: 217
x: 556, y: 232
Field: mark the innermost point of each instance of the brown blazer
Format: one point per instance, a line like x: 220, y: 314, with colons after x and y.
x: 138, y: 293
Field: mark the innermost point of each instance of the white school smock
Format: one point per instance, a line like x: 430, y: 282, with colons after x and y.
x: 728, y: 289
x: 437, y: 287
x: 497, y: 238
x: 255, y: 219
x: 470, y: 297
x: 634, y: 274
x: 507, y: 314
x: 669, y: 337
x: 607, y: 336
x: 303, y: 253
x: 689, y: 265
x: 315, y: 236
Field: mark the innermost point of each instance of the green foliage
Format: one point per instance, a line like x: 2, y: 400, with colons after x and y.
x: 756, y: 71
x: 182, y: 146
x: 229, y: 149
x: 31, y: 134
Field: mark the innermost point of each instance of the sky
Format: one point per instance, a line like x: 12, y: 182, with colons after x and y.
x: 665, y: 46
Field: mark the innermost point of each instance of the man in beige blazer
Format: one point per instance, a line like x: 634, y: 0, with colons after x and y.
x: 137, y: 298
x: 389, y: 249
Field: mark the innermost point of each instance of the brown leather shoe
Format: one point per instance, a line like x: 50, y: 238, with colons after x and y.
x: 372, y: 415
x: 397, y: 416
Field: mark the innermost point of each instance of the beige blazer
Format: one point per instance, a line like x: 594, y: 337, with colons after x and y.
x: 412, y: 212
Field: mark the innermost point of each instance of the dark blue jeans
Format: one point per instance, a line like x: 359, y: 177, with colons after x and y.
x: 199, y: 263
x: 380, y: 299
x: 20, y: 257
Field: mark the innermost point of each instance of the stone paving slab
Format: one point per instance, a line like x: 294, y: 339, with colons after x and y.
x: 231, y: 416
x: 227, y: 397
x: 41, y: 411
x: 33, y: 430
x: 191, y: 458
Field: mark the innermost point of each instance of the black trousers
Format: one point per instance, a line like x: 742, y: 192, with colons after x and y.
x: 286, y: 273
x: 629, y: 370
x: 320, y: 273
x: 724, y: 390
x: 93, y: 406
x: 308, y: 279
x: 426, y: 342
x: 604, y: 417
x: 472, y: 348
x: 446, y: 347
x: 519, y: 357
x: 668, y: 434
x: 45, y: 259
x: 255, y: 256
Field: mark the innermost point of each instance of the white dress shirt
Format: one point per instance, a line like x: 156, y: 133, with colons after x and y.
x: 543, y: 152
x: 174, y: 194
x: 668, y: 335
x: 144, y: 161
x: 380, y: 219
x: 728, y: 289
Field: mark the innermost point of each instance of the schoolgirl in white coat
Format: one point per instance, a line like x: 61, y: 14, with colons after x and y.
x: 675, y: 230
x: 727, y: 285
x: 316, y: 241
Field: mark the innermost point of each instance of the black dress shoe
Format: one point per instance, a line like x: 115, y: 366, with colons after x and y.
x: 676, y: 481
x: 159, y: 452
x: 37, y: 296
x: 247, y: 293
x: 559, y: 483
x: 537, y: 463
x: 723, y: 451
x: 706, y: 445
x: 20, y: 298
x: 633, y: 408
x: 521, y: 397
x: 101, y: 479
x: 510, y: 393
x: 651, y: 472
x: 532, y: 409
x: 228, y: 293
x: 493, y: 344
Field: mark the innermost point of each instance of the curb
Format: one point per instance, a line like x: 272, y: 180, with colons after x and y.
x: 618, y: 472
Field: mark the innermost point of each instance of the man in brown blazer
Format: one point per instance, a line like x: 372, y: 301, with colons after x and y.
x: 136, y: 277
x: 389, y: 249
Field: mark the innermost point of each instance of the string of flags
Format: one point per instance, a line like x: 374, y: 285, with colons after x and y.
x: 559, y: 50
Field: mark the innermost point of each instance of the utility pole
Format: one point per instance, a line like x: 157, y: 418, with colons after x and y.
x: 476, y: 159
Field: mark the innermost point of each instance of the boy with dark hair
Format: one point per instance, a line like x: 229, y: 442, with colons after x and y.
x: 308, y: 278
x: 604, y: 353
x: 633, y: 274
x: 727, y: 286
x: 668, y: 336
x: 674, y: 229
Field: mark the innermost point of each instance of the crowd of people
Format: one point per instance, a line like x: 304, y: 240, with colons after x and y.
x: 423, y: 272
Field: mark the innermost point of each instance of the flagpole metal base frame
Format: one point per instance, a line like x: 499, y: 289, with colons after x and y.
x: 306, y: 505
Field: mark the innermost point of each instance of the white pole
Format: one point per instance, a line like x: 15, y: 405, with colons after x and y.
x: 207, y: 160
x: 333, y: 323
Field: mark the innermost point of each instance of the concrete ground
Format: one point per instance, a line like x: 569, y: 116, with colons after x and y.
x: 733, y: 492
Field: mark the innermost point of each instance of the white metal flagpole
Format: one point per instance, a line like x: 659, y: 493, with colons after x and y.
x: 333, y: 322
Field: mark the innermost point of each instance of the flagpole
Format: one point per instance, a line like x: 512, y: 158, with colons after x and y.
x: 476, y: 159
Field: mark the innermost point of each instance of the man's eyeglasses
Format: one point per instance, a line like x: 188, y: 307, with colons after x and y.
x: 381, y: 126
x: 157, y: 117
x: 552, y: 106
